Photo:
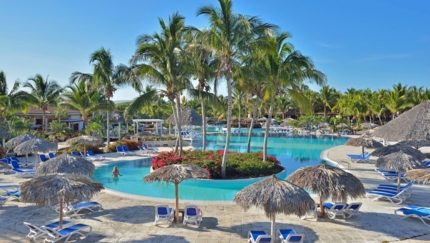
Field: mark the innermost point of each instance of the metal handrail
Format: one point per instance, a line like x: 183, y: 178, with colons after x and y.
x: 344, y: 162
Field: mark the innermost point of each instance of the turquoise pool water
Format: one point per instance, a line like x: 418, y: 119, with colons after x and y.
x: 293, y: 153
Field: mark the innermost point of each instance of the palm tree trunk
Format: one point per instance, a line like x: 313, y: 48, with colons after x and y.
x: 203, y: 124
x: 107, y: 127
x: 325, y: 111
x: 179, y: 125
x: 229, y: 115
x: 175, y: 116
x: 43, y: 124
x: 266, y: 135
x: 254, y: 118
x: 239, y: 116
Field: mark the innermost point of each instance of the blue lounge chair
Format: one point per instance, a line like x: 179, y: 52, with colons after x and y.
x: 335, y: 209
x: 126, y: 151
x: 22, y: 172
x: 394, y: 176
x: 51, y: 155
x: 289, y: 235
x: 352, y: 209
x: 311, y: 213
x: 74, y: 153
x: 91, y: 154
x: 42, y: 157
x: 355, y: 155
x: 256, y: 236
x: 83, y: 154
x: 36, y: 232
x: 419, y: 212
x: 163, y: 213
x: 393, y: 197
x: 150, y: 149
x: 82, y: 206
x: 119, y: 150
x: 66, y: 233
x: 360, y: 158
x: 192, y: 214
x: 379, y: 170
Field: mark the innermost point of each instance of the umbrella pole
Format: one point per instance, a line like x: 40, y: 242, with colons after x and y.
x: 177, y: 203
x: 26, y: 157
x: 272, y: 228
x: 398, y: 181
x: 85, y: 149
x: 61, y: 213
x: 321, y: 207
x: 36, y: 160
x: 362, y: 150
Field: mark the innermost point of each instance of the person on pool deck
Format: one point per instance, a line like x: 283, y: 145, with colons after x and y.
x: 115, y: 172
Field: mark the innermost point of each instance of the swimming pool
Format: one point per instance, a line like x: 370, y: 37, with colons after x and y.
x: 292, y: 152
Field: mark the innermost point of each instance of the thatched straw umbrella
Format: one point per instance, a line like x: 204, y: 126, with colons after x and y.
x: 67, y: 164
x: 400, y: 162
x: 420, y: 175
x: 3, y: 135
x: 275, y: 196
x: 363, y: 142
x: 416, y: 143
x: 398, y: 147
x: 175, y: 174
x: 342, y: 125
x: 35, y: 145
x: 188, y: 117
x: 86, y: 140
x: 412, y: 124
x: 323, y: 124
x: 328, y: 182
x: 53, y: 189
x: 12, y: 143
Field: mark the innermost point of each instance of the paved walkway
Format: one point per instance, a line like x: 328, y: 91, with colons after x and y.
x: 130, y: 218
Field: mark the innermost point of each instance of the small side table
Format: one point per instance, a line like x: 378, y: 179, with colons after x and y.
x: 182, y: 212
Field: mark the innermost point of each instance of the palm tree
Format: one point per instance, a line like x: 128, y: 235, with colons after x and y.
x: 229, y: 33
x: 238, y: 97
x: 329, y: 97
x: 11, y: 100
x: 285, y: 69
x: 43, y: 93
x: 161, y: 58
x: 107, y: 78
x: 84, y: 99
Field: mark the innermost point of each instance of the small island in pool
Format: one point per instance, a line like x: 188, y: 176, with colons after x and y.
x: 239, y: 165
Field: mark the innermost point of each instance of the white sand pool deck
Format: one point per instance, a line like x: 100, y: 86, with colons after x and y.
x: 130, y: 218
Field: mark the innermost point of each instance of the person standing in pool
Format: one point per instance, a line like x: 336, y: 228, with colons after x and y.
x: 115, y: 172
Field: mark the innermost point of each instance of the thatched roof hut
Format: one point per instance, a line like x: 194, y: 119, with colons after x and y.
x: 12, y: 143
x: 328, y: 182
x: 398, y: 147
x: 35, y: 145
x: 67, y: 164
x: 189, y: 117
x: 412, y: 124
x: 419, y: 175
x: 400, y: 162
x: 275, y: 196
x: 56, y: 189
x: 86, y: 140
x: 175, y: 174
x: 3, y: 133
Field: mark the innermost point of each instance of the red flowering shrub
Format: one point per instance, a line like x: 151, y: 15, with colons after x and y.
x: 239, y: 165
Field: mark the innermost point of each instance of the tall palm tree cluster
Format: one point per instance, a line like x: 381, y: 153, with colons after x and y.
x: 262, y: 71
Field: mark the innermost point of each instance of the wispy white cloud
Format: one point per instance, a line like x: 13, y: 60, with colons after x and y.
x: 329, y: 46
x: 386, y: 56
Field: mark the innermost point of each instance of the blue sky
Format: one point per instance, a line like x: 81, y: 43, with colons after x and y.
x: 359, y: 44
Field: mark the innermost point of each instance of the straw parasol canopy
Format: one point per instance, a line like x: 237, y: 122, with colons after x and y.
x: 35, y: 145
x: 275, y: 196
x: 3, y: 133
x: 363, y: 142
x: 323, y: 124
x: 328, y: 182
x: 418, y: 143
x: 368, y: 125
x: 67, y: 164
x: 86, y: 140
x: 53, y: 189
x: 175, y: 174
x: 420, y: 175
x: 342, y: 125
x: 400, y: 162
x: 188, y: 117
x: 412, y: 124
x: 398, y: 147
x: 12, y: 143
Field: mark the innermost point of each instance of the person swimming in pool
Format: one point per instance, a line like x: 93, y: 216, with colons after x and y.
x: 115, y: 172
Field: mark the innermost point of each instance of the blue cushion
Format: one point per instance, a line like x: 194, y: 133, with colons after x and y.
x: 256, y: 233
x: 162, y: 211
x: 56, y: 224
x: 71, y: 229
x: 191, y: 211
x: 14, y: 193
x: 423, y: 212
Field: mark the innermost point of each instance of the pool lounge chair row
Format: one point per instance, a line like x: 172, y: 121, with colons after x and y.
x: 52, y: 233
x: 192, y: 214
x: 359, y: 157
x: 89, y: 156
x: 123, y: 150
x: 389, y: 192
x: 20, y: 172
x: 43, y: 157
x: 285, y: 235
x: 391, y: 175
x: 345, y: 210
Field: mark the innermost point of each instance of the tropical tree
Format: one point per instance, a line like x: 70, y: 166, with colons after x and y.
x: 329, y: 97
x: 43, y: 93
x: 85, y: 99
x: 162, y: 60
x: 11, y: 100
x: 106, y: 77
x: 228, y: 34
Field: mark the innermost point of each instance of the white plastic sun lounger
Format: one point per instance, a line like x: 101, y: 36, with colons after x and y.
x: 256, y: 236
x: 289, y: 235
x: 192, y: 214
x: 77, y: 208
x: 414, y: 211
x: 66, y: 233
x: 163, y: 213
x: 335, y: 209
x: 394, y: 197
x: 36, y: 232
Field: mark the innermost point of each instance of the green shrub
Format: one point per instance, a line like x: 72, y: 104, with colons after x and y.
x: 80, y: 147
x: 131, y: 144
x: 239, y: 165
